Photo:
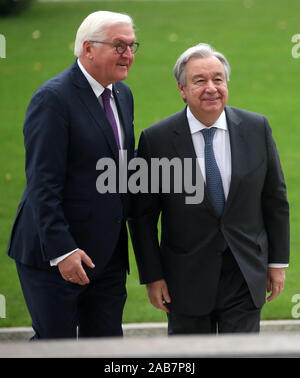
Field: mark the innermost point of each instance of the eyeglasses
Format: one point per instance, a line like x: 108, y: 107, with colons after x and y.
x: 121, y: 46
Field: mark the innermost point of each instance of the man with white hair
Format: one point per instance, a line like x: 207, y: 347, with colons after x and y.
x: 68, y: 240
x: 217, y: 258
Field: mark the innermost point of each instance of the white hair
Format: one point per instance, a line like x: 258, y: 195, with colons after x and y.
x: 202, y: 50
x: 95, y: 25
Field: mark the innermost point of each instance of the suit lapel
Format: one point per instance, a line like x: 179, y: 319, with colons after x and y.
x: 182, y: 138
x: 122, y: 111
x: 237, y: 146
x: 88, y: 98
x: 184, y: 147
x: 183, y: 144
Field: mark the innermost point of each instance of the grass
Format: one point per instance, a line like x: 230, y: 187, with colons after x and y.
x: 254, y: 35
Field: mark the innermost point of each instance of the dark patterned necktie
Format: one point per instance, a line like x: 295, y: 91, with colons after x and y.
x: 213, y: 177
x: 109, y: 113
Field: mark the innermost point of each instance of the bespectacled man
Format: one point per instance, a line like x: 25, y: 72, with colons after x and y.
x: 69, y: 241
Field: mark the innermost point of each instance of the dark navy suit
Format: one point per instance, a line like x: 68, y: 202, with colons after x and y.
x: 65, y: 133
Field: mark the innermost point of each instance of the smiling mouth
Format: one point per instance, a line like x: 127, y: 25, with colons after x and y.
x: 211, y: 99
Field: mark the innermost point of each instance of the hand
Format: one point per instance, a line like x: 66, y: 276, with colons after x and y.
x: 276, y: 278
x: 72, y: 270
x: 158, y: 294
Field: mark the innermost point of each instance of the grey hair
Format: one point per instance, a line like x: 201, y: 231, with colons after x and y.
x: 95, y: 26
x: 202, y: 50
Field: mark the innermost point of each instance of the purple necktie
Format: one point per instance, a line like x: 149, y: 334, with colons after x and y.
x: 109, y: 113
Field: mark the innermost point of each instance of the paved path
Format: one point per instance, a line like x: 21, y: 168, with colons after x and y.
x: 189, y: 347
x: 153, y: 329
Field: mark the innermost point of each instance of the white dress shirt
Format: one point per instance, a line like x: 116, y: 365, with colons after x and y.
x: 98, y: 90
x: 222, y: 151
x: 221, y: 146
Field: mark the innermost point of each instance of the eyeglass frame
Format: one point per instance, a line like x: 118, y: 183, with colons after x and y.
x: 117, y: 45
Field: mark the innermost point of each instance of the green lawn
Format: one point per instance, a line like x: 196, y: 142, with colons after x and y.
x: 254, y: 35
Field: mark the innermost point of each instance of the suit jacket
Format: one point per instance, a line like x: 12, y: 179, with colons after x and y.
x: 255, y: 221
x: 65, y: 132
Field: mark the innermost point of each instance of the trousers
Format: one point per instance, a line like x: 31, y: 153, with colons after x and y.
x: 234, y: 310
x: 60, y: 309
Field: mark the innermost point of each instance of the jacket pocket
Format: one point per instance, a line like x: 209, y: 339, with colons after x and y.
x: 20, y: 208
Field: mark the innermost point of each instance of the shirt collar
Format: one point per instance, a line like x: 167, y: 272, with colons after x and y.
x: 96, y: 87
x: 196, y: 125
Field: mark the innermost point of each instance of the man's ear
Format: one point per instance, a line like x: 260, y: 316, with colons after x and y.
x: 87, y: 50
x: 182, y: 91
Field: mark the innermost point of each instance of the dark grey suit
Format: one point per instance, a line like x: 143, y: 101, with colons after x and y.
x: 255, y: 222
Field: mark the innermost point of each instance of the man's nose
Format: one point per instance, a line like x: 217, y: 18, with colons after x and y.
x: 210, y: 87
x: 127, y: 53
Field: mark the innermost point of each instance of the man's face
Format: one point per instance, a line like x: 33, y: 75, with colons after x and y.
x: 105, y: 64
x: 206, y: 90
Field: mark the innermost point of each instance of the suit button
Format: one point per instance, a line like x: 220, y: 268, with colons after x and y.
x: 219, y: 253
x: 118, y: 220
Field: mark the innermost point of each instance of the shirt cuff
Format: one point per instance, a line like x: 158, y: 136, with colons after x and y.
x: 55, y: 262
x: 275, y: 265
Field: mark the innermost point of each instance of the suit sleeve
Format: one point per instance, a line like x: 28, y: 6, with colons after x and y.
x: 46, y: 143
x: 145, y: 211
x: 275, y: 205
